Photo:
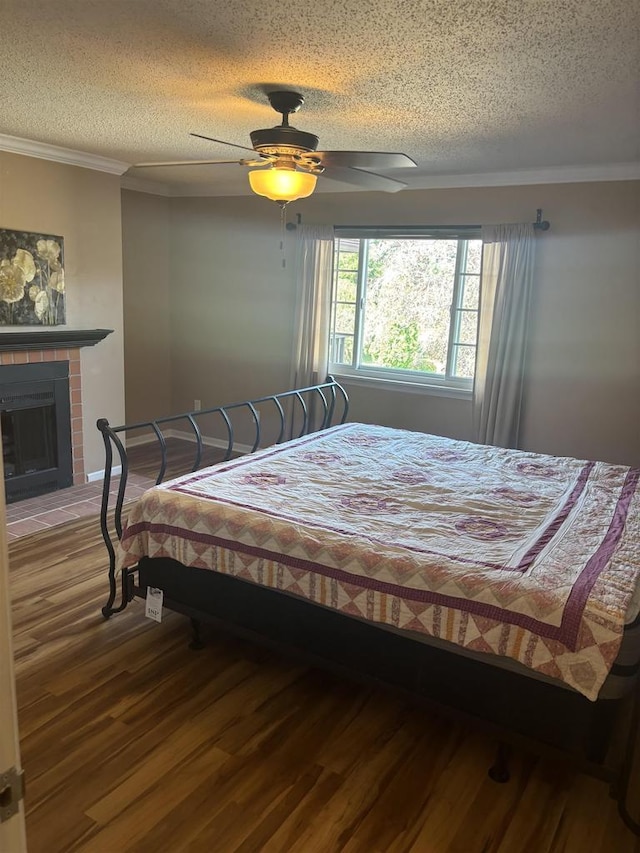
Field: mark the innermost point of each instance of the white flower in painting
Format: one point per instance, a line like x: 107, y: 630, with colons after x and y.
x: 56, y: 281
x: 42, y: 304
x: 48, y: 250
x: 24, y: 260
x: 12, y: 281
x: 34, y: 290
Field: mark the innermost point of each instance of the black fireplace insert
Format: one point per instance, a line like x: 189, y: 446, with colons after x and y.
x: 36, y: 428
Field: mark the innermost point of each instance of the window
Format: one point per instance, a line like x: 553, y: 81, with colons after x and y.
x: 405, y: 305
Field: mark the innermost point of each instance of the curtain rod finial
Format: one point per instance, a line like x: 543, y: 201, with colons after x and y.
x: 541, y: 223
x: 292, y: 226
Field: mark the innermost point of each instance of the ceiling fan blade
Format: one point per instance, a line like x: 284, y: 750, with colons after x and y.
x: 183, y: 163
x: 364, y: 159
x: 368, y: 180
x: 222, y: 142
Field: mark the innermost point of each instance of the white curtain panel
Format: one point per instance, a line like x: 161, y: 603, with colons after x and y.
x: 314, y: 274
x: 505, y: 299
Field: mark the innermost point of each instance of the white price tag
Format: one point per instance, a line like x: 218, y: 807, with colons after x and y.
x: 153, y: 604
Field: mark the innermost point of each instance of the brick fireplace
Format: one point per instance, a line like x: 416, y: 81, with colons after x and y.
x: 61, y: 347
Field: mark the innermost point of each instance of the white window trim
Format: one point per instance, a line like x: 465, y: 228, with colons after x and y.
x: 406, y: 381
x: 421, y: 384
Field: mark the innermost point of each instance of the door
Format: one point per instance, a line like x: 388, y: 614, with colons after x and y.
x: 12, y: 831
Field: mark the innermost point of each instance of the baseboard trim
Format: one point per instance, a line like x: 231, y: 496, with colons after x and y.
x: 138, y: 440
x: 219, y: 443
x: 95, y: 476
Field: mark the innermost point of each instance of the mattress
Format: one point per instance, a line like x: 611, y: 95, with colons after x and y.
x: 530, y: 558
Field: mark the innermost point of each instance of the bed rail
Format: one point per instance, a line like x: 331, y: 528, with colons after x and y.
x: 291, y: 414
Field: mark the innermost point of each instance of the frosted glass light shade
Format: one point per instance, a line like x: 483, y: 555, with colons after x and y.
x: 282, y: 184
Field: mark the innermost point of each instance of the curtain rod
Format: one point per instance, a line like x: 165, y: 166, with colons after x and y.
x: 540, y: 225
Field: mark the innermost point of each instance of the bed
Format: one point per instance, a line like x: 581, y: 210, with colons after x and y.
x: 500, y: 583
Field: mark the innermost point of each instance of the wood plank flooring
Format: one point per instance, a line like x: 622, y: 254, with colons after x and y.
x: 132, y: 742
x: 146, y: 459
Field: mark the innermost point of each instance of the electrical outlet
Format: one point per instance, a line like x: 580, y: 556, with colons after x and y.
x: 197, y: 405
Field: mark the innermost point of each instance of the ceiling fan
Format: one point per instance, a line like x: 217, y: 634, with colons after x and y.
x: 285, y: 164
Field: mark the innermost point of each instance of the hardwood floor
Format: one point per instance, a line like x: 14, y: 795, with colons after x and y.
x: 145, y: 459
x: 132, y: 742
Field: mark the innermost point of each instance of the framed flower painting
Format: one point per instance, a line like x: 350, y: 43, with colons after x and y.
x: 31, y: 279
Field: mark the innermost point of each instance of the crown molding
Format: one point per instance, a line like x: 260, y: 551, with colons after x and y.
x: 141, y: 185
x: 44, y: 151
x: 176, y: 190
x: 549, y: 175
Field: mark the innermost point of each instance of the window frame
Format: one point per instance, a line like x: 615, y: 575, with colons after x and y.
x: 417, y: 381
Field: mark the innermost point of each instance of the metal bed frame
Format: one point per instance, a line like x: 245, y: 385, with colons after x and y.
x: 516, y: 709
x: 298, y: 412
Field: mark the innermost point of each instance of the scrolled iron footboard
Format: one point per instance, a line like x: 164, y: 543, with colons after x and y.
x: 292, y: 414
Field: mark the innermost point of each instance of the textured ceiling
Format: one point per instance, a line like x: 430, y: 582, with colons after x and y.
x: 462, y: 86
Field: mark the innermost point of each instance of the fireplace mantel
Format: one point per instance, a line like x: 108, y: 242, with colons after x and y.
x: 55, y: 339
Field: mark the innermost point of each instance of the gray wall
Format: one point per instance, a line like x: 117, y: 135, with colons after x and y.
x: 231, y: 306
x: 83, y: 206
x: 147, y: 314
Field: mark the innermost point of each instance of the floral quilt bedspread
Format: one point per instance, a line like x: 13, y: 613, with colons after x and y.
x: 501, y: 551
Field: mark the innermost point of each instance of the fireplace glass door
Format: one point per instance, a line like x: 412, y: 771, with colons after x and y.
x: 36, y: 428
x: 29, y: 441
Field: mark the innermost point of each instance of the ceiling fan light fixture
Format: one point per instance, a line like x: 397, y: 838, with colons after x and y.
x: 282, y: 184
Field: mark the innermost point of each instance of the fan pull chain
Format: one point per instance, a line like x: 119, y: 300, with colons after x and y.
x: 283, y: 231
